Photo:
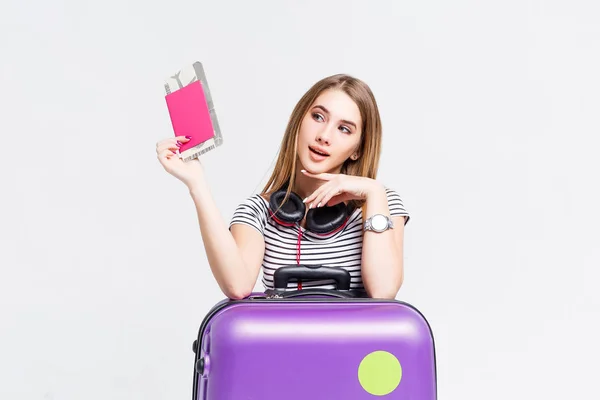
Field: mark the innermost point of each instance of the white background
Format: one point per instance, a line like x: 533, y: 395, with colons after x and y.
x: 490, y: 114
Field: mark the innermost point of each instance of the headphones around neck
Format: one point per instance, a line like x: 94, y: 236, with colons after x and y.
x: 321, y: 220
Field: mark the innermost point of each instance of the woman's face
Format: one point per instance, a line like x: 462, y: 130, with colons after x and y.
x: 330, y: 133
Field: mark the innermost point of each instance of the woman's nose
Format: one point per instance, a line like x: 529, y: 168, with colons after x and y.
x: 323, y: 137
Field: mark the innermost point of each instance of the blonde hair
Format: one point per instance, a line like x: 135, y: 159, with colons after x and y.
x: 369, y: 151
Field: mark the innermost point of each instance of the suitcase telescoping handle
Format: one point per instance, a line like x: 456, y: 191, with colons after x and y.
x: 283, y: 275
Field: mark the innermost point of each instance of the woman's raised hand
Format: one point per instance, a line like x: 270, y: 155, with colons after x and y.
x: 166, y: 152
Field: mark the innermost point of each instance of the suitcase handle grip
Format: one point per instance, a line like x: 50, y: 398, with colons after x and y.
x: 314, y: 292
x: 283, y: 275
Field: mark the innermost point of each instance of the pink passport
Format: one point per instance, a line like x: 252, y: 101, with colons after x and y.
x: 190, y: 115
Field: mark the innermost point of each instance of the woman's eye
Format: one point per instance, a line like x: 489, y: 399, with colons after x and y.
x: 345, y: 128
x: 317, y: 116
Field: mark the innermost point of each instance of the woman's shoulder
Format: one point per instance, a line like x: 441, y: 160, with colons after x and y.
x: 252, y: 211
x: 391, y: 192
x: 396, y: 203
x: 257, y: 201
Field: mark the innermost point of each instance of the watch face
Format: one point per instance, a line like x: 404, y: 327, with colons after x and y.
x: 379, y: 222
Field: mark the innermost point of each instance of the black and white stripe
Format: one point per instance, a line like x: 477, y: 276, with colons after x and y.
x: 341, y: 249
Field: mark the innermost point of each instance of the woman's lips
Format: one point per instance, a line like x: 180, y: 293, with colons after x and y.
x: 315, y: 154
x: 318, y: 151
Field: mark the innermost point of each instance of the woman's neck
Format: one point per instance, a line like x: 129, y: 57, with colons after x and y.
x: 304, y: 186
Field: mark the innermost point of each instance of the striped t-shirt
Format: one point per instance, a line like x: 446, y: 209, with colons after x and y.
x: 286, y: 245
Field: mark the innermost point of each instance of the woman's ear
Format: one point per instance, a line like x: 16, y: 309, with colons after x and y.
x: 356, y: 155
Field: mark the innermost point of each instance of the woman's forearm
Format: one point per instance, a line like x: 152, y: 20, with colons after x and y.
x: 224, y: 257
x: 382, y: 254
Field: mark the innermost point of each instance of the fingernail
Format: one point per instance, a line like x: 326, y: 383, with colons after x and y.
x: 309, y: 207
x: 319, y: 205
x: 188, y: 137
x: 179, y: 144
x: 304, y: 201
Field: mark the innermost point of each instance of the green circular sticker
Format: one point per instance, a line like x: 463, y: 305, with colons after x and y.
x: 379, y: 373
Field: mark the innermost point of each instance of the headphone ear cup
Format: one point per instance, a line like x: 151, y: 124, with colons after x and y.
x: 326, y: 219
x: 292, y: 211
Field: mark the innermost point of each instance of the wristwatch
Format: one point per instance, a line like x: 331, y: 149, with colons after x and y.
x: 378, y: 223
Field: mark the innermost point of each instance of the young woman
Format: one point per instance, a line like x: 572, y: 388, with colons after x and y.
x: 327, y: 162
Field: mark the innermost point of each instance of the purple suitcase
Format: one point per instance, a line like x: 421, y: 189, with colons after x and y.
x: 313, y: 344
